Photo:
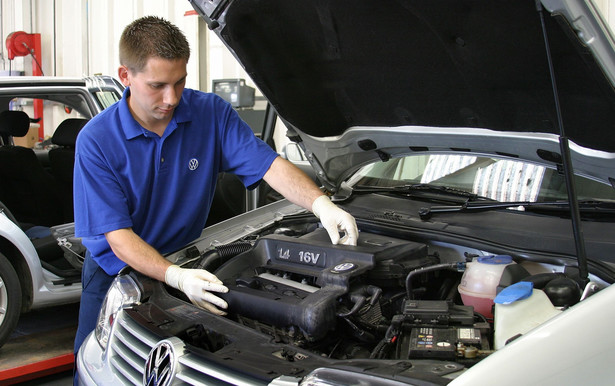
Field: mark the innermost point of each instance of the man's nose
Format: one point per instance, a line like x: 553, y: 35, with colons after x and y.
x: 171, y: 96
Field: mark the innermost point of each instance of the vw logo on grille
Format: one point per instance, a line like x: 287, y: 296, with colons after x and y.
x: 160, y: 366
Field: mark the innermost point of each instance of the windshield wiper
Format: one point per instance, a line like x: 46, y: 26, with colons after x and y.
x: 587, y: 206
x: 434, y: 192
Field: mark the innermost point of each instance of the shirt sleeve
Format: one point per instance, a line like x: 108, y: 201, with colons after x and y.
x: 99, y: 202
x: 244, y: 154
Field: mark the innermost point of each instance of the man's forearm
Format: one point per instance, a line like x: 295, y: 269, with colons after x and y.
x: 292, y: 183
x: 138, y: 254
x: 197, y: 284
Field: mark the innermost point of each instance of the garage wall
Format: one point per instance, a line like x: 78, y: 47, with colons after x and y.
x: 79, y: 37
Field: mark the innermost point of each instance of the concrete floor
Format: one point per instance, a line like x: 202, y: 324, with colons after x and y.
x: 41, y: 336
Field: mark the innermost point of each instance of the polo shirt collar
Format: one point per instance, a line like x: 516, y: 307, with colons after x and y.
x: 133, y: 129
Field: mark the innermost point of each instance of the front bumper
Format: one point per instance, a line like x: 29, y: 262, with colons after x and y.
x: 124, y: 362
x: 92, y: 365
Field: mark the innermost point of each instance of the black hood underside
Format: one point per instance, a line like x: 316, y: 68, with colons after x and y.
x: 330, y: 65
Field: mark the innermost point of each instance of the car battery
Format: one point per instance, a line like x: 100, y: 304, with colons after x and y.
x: 436, y: 312
x: 437, y: 343
x: 435, y: 329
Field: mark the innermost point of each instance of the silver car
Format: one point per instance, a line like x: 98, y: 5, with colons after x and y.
x: 471, y: 141
x: 36, y: 189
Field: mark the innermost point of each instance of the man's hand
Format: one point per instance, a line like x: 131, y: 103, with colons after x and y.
x: 335, y: 219
x: 298, y: 188
x: 196, y: 284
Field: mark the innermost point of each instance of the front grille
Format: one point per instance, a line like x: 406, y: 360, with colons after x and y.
x: 131, y: 344
x: 195, y: 372
x: 129, y: 347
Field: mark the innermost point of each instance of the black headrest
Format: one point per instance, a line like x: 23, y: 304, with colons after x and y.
x: 14, y: 123
x: 66, y: 132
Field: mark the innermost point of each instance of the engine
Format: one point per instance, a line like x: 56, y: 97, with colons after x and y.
x: 288, y: 281
x: 350, y: 302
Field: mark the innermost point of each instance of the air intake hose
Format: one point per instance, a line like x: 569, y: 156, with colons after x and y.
x: 212, y: 259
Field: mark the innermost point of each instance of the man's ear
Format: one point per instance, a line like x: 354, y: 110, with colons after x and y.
x: 122, y: 73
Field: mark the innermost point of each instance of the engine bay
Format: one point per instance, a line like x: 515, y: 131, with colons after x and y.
x: 386, y: 298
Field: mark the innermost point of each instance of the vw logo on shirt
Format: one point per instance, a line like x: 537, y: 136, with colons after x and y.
x: 193, y: 164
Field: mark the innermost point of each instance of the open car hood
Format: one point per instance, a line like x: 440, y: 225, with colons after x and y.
x: 360, y: 80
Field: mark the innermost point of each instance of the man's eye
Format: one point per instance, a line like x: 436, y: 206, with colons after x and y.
x: 156, y: 86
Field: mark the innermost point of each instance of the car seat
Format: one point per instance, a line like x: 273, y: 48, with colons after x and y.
x: 28, y: 189
x: 62, y: 161
x: 51, y: 255
x: 13, y: 124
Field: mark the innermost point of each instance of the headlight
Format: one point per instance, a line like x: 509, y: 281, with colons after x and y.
x: 336, y: 377
x: 122, y: 293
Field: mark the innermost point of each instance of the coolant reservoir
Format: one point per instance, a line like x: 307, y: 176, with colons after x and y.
x: 518, y: 309
x: 480, y: 281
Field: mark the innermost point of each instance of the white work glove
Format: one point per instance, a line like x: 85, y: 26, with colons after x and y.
x: 334, y: 219
x: 196, y: 284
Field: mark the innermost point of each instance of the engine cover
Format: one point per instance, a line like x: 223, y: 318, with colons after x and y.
x: 295, y: 282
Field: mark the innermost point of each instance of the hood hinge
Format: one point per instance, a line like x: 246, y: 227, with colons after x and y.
x: 320, y: 171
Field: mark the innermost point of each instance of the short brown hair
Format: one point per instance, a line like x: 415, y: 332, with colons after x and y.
x: 151, y: 36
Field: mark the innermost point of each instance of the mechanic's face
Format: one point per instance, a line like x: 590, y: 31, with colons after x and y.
x: 155, y: 92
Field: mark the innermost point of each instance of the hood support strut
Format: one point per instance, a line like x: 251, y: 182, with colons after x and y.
x: 566, y: 162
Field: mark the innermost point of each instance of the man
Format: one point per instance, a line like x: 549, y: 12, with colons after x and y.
x: 146, y: 169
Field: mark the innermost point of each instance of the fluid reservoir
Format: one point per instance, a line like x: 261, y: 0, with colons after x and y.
x: 480, y: 281
x: 518, y: 309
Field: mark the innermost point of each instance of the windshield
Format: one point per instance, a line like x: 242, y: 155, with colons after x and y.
x: 503, y: 180
x: 106, y: 98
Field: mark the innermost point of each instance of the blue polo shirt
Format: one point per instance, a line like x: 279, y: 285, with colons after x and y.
x: 161, y: 187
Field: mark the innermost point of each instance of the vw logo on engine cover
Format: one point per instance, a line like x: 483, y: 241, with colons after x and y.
x: 161, y: 365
